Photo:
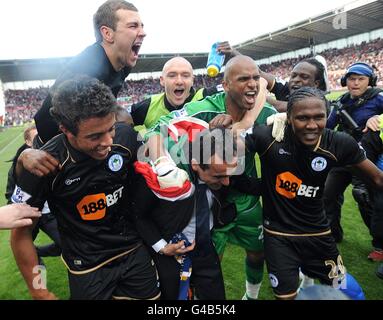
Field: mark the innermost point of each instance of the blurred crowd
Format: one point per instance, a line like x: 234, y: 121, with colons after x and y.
x: 21, y: 105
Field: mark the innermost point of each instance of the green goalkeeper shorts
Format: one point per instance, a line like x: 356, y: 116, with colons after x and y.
x: 245, y: 231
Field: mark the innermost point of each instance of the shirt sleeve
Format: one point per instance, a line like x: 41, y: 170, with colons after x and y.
x: 372, y: 144
x: 257, y: 137
x: 281, y: 91
x: 139, y: 111
x: 349, y: 151
x: 30, y: 189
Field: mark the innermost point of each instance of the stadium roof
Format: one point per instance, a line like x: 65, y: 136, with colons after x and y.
x: 355, y: 18
x: 361, y: 16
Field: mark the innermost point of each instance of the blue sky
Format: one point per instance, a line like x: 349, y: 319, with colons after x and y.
x: 56, y: 28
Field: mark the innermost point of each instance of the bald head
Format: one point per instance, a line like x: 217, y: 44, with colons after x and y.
x: 177, y: 63
x: 241, y: 84
x: 237, y: 62
x: 177, y: 80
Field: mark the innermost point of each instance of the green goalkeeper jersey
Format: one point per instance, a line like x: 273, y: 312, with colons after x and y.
x: 207, y: 110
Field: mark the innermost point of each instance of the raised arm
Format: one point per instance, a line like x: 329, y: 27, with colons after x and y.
x: 269, y: 78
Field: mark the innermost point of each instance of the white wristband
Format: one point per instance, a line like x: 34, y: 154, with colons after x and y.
x: 159, y: 245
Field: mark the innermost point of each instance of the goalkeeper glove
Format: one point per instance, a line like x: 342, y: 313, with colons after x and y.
x: 278, y: 121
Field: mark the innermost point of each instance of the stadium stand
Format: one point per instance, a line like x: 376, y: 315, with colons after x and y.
x: 21, y: 105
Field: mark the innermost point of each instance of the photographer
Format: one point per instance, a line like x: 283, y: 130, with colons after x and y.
x: 350, y: 113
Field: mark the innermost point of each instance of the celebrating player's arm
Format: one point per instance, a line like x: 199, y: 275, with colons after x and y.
x: 27, y: 261
x: 38, y: 162
x: 22, y: 245
x: 26, y: 258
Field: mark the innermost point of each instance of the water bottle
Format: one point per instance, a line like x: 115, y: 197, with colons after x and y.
x: 214, y: 61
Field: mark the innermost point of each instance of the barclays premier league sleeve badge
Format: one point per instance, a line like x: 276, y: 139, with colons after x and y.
x: 19, y: 195
x: 115, y: 162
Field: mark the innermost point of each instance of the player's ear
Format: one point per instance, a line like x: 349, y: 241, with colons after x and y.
x: 107, y: 34
x: 162, y: 81
x: 65, y: 130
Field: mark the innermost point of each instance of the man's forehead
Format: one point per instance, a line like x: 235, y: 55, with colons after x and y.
x: 309, y: 105
x: 304, y: 67
x: 177, y: 63
x: 220, y: 168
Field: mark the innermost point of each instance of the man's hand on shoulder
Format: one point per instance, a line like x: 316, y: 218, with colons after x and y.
x: 221, y: 120
x: 38, y: 162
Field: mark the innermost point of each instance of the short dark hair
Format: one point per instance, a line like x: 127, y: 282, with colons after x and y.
x: 320, y: 74
x: 303, y: 93
x: 210, y: 142
x: 79, y: 99
x: 106, y: 15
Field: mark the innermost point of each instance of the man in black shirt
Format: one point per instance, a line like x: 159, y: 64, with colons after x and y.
x: 309, y: 72
x: 296, y: 230
x: 119, y: 36
x: 91, y: 197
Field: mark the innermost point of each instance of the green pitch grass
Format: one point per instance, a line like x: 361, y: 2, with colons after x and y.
x: 354, y: 249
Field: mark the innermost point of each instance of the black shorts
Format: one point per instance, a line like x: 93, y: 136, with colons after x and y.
x: 316, y: 256
x: 132, y: 277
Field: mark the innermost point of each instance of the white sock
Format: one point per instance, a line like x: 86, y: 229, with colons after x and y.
x: 252, y: 290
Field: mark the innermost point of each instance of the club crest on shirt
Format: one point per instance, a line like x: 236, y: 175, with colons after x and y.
x: 115, y: 162
x: 319, y: 164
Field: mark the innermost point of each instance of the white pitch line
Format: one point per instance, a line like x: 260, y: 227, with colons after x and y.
x: 10, y: 143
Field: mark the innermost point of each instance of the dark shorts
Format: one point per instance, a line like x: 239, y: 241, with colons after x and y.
x: 131, y: 277
x: 316, y: 256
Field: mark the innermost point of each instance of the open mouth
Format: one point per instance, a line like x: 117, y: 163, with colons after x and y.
x: 250, y: 96
x: 136, y: 48
x: 179, y: 92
